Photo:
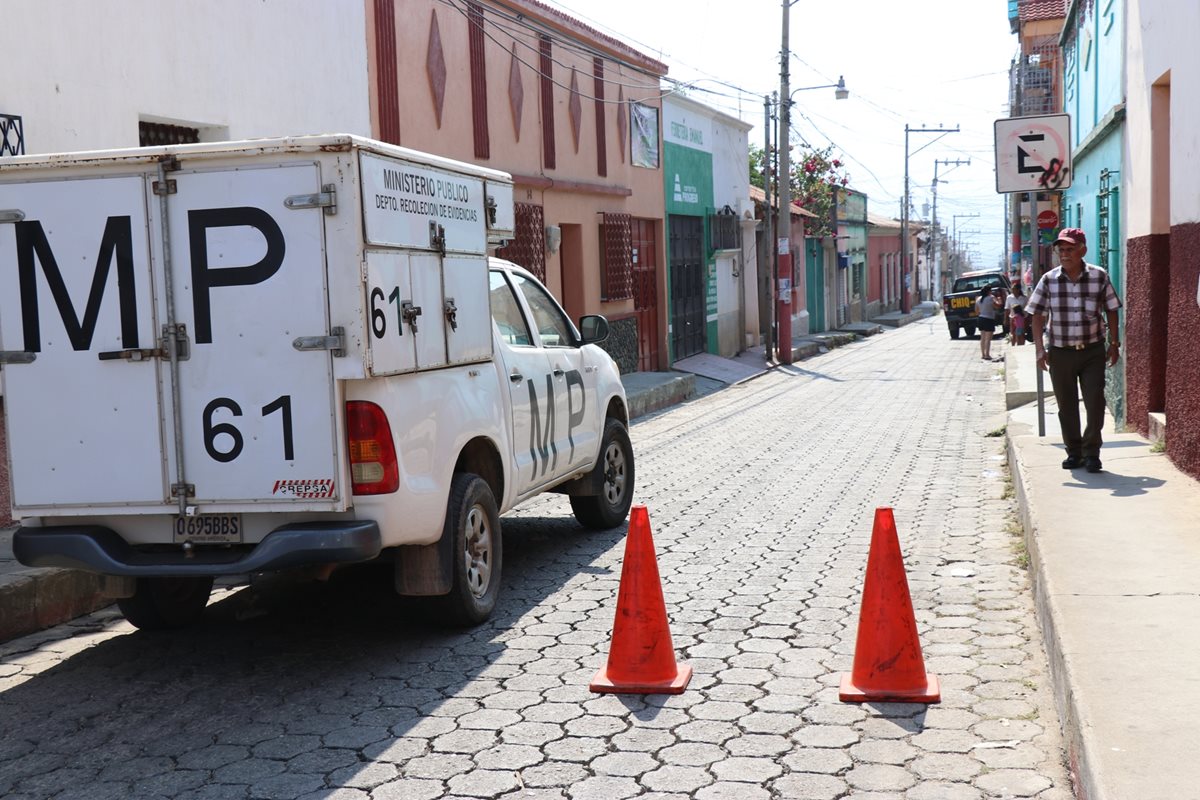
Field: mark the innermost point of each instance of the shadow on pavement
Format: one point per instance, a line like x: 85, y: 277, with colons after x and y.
x: 289, y: 681
x: 1125, y: 485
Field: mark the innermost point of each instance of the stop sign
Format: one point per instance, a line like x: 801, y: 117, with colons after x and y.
x: 1047, y: 219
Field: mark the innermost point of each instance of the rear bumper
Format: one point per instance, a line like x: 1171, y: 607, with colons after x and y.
x: 93, y: 548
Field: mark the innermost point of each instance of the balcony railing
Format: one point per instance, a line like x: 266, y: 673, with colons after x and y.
x: 12, y: 135
x: 1035, y: 83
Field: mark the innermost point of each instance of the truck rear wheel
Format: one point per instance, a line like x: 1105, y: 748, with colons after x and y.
x: 954, y: 331
x: 165, y: 603
x: 609, y: 508
x: 473, y: 523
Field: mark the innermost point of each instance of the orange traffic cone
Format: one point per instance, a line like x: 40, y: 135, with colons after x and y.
x: 888, y: 666
x: 641, y: 659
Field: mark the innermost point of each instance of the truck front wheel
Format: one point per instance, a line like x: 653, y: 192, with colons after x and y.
x: 609, y: 508
x: 473, y: 523
x: 164, y: 603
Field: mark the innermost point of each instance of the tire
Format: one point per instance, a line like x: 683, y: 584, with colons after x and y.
x: 473, y: 523
x: 166, y: 603
x: 954, y: 331
x: 971, y: 332
x: 614, y: 470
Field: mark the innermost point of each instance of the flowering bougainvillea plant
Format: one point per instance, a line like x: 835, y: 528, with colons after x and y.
x: 816, y: 177
x: 814, y: 186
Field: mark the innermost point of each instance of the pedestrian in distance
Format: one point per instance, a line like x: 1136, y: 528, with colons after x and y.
x: 1001, y: 298
x: 1082, y: 305
x: 985, y: 307
x: 1014, y: 308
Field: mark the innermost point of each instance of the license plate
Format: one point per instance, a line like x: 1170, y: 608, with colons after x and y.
x: 209, y: 529
x: 961, y: 302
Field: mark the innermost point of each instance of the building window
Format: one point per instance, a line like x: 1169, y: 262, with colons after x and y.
x: 616, y: 256
x: 528, y: 247
x: 723, y: 230
x: 156, y: 134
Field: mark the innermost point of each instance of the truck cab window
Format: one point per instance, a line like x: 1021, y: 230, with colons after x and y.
x: 554, y: 329
x: 507, y: 313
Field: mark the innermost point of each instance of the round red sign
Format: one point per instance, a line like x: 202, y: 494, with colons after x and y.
x: 1047, y: 219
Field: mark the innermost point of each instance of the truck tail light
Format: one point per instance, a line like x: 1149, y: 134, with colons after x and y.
x: 373, y: 465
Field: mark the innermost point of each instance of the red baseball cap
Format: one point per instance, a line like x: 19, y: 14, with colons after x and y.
x: 1073, y: 236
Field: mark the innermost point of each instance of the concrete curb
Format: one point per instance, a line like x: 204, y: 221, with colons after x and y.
x: 34, y: 599
x: 1070, y: 711
x: 654, y: 398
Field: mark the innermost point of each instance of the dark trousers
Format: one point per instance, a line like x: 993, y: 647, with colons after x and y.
x: 1070, y: 371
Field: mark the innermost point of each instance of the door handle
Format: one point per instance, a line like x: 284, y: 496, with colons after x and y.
x: 558, y: 372
x: 516, y: 377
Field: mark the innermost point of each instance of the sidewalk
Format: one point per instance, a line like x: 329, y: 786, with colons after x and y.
x: 1115, y: 565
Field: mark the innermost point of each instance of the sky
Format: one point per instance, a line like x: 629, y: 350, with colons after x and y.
x: 924, y: 63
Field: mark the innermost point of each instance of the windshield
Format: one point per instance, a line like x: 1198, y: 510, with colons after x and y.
x: 976, y: 283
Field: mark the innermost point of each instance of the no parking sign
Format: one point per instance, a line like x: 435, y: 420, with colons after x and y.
x: 1033, y: 153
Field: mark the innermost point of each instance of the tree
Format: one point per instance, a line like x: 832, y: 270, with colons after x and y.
x: 756, y: 166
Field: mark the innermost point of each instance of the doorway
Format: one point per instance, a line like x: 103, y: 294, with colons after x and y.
x: 645, y: 290
x: 686, y: 240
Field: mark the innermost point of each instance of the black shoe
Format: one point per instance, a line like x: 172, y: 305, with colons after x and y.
x: 1074, y: 462
x: 1093, y: 464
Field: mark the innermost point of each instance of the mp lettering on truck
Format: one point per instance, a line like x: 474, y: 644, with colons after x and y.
x: 33, y: 248
x: 542, y: 441
x: 204, y: 277
x: 116, y: 245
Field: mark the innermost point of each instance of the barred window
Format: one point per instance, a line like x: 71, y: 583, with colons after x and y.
x: 12, y: 135
x: 528, y: 247
x: 155, y: 134
x: 723, y: 230
x: 616, y: 254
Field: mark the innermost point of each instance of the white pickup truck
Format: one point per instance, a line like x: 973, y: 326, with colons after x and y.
x: 234, y: 358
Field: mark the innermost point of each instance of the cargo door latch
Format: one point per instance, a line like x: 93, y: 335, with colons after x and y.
x: 335, y: 342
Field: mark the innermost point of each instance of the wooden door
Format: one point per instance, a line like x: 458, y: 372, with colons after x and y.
x: 645, y: 291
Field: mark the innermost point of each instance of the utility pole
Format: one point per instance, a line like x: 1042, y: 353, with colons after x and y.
x: 783, y: 249
x: 934, y: 234
x: 769, y: 233
x: 905, y: 297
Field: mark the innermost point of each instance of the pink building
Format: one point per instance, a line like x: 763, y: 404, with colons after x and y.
x: 572, y: 113
x: 883, y: 265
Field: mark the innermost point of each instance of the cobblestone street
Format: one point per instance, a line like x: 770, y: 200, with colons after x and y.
x: 761, y: 499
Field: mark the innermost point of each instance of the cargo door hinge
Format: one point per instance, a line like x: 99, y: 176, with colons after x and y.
x: 170, y: 164
x: 335, y: 342
x: 326, y: 199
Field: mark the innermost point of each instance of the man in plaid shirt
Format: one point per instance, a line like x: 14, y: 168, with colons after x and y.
x: 1081, y: 303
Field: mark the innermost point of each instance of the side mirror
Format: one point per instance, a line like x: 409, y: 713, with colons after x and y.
x: 593, y: 328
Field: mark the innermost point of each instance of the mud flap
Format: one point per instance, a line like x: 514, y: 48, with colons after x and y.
x: 425, y: 570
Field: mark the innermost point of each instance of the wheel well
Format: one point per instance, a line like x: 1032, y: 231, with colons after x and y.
x: 481, y: 457
x: 616, y: 410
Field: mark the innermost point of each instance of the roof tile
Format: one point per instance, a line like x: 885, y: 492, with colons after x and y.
x: 1031, y: 10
